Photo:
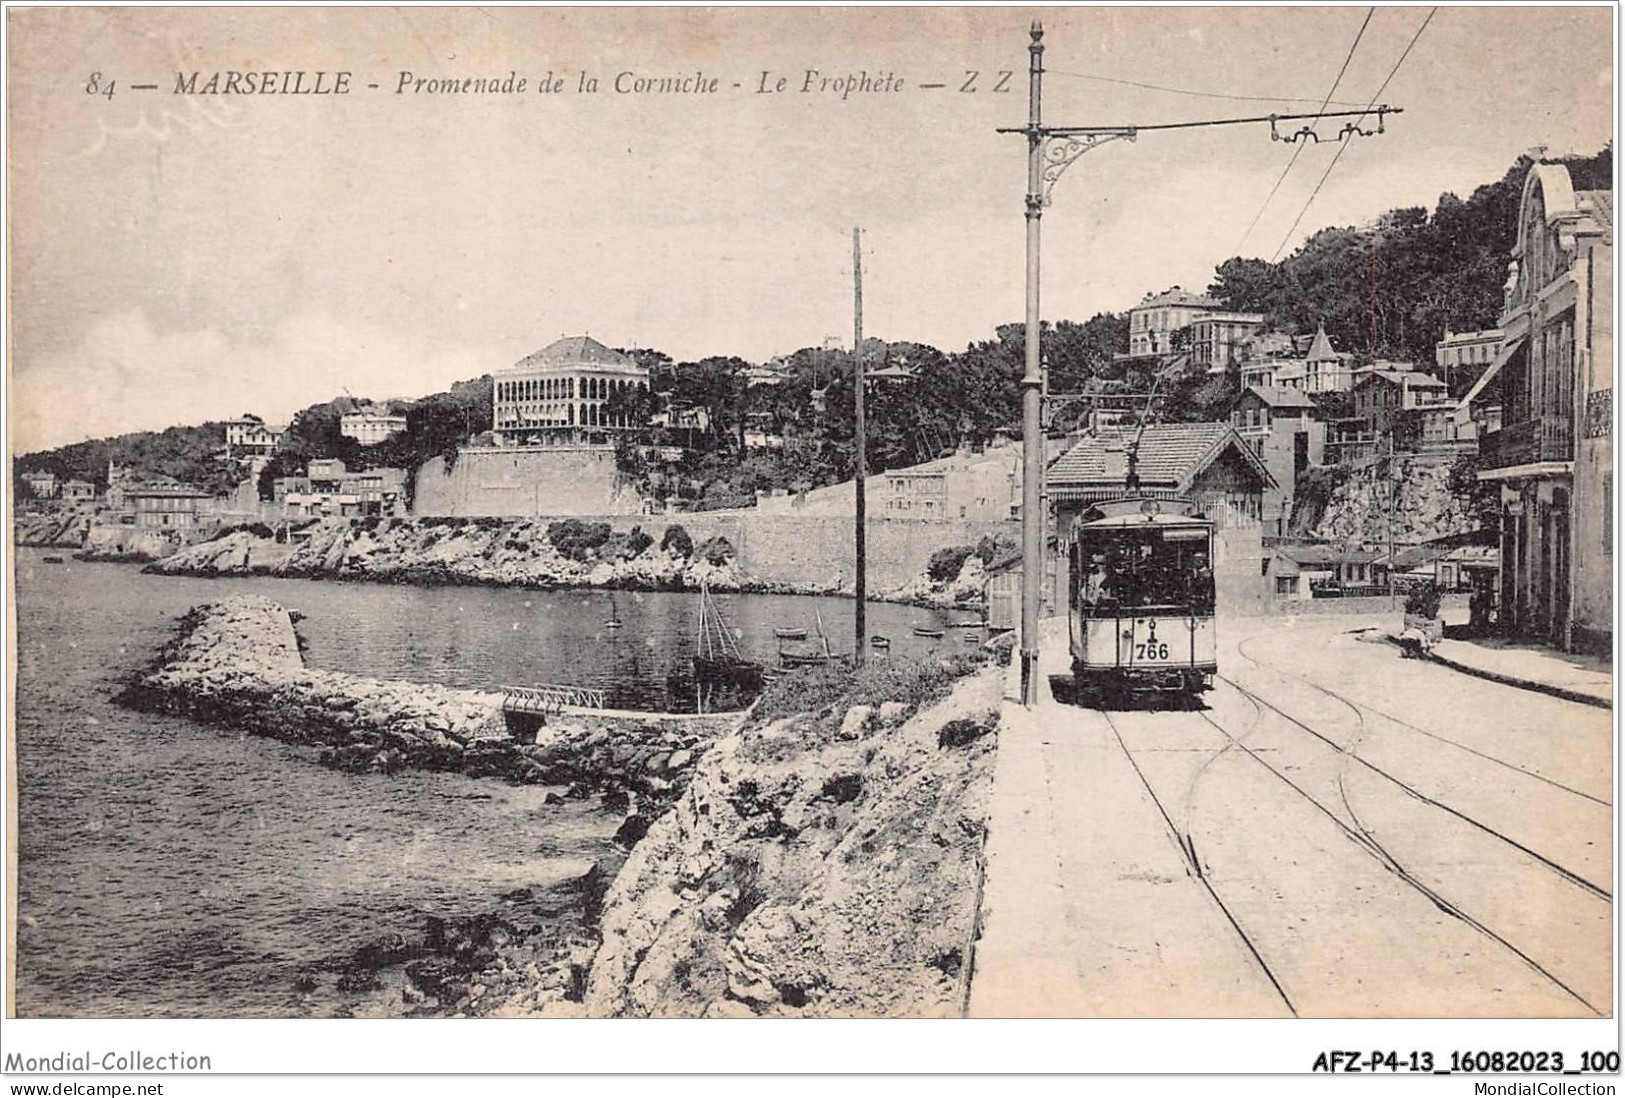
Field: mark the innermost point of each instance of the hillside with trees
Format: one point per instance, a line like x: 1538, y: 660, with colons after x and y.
x: 1392, y: 289
x: 1433, y: 271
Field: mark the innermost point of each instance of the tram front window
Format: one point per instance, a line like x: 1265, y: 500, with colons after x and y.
x: 1139, y: 570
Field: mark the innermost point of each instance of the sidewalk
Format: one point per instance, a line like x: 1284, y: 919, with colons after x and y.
x: 1089, y: 908
x: 1588, y: 680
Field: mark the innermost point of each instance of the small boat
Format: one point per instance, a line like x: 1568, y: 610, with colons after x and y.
x: 972, y: 638
x: 970, y: 623
x: 791, y: 633
x: 879, y: 641
x: 818, y: 657
x: 53, y: 560
x: 614, y: 621
x: 926, y: 631
x: 722, y: 674
x: 804, y: 659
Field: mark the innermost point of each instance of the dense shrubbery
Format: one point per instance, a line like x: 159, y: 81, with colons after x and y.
x: 637, y: 541
x: 914, y: 682
x: 946, y: 563
x: 716, y: 551
x: 676, y: 540
x: 576, y: 539
x: 1422, y: 601
x: 258, y: 529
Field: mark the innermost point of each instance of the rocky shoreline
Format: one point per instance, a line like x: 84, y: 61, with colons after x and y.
x: 512, y: 553
x: 238, y: 664
x: 821, y: 858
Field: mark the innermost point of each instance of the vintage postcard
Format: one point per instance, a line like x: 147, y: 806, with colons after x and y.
x: 1085, y: 513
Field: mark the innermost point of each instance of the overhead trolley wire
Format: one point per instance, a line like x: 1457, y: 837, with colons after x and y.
x: 1348, y: 139
x: 1297, y: 149
x: 1188, y: 91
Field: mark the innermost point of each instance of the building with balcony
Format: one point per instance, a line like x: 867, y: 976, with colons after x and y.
x: 1219, y: 340
x: 370, y: 426
x: 250, y: 436
x: 563, y: 395
x: 1382, y: 396
x: 173, y: 509
x: 1472, y: 351
x: 41, y: 485
x: 1326, y: 370
x: 78, y: 491
x: 1281, y: 427
x: 1553, y: 377
x: 1153, y: 322
x: 329, y: 488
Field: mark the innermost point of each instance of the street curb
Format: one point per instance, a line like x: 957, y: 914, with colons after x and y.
x: 1523, y: 684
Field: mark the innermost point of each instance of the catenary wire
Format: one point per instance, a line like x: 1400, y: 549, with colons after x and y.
x: 1297, y: 148
x: 1189, y: 91
x: 1349, y: 140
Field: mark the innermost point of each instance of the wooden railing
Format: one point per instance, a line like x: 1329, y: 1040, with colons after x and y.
x: 1544, y: 438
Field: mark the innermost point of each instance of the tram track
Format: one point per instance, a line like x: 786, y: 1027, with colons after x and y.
x: 1241, y: 649
x: 1187, y: 846
x: 1362, y: 837
x: 1351, y: 753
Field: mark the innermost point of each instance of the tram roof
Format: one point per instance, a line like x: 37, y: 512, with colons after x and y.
x: 1145, y: 522
x: 1171, y: 456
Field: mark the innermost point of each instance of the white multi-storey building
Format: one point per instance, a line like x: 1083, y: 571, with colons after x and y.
x: 561, y: 395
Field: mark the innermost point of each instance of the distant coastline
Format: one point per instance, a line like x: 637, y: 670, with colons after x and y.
x: 526, y: 553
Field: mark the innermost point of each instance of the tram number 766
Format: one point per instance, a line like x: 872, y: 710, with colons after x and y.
x: 1151, y: 650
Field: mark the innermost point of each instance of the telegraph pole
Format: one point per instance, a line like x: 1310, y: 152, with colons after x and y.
x: 1050, y: 151
x: 861, y: 587
x: 1032, y: 383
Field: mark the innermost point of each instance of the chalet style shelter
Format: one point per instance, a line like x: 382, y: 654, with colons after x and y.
x: 1205, y: 463
x: 1552, y: 456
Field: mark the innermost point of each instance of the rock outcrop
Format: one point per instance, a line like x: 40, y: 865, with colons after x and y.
x: 448, y: 551
x: 58, y: 528
x: 237, y: 663
x: 824, y: 864
x: 510, y: 553
x: 1423, y: 507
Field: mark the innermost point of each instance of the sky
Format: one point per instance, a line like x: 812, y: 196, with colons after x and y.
x: 180, y: 258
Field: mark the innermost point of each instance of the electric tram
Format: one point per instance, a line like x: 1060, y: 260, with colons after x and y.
x: 1141, y: 616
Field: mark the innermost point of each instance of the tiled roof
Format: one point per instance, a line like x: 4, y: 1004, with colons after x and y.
x: 1415, y: 379
x: 1177, y: 296
x: 582, y: 350
x: 167, y: 492
x: 1326, y: 554
x: 1277, y: 397
x: 1170, y: 456
x: 1321, y: 349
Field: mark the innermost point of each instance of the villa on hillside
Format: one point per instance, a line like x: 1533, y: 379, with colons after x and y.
x: 561, y: 395
x: 1153, y: 322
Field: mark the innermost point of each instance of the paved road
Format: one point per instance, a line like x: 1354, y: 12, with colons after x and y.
x: 1335, y: 831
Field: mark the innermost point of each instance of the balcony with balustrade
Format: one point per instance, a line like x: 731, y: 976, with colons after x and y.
x: 1537, y: 441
